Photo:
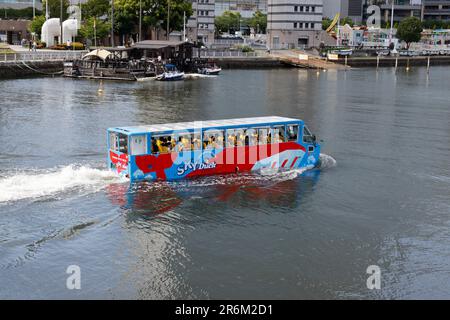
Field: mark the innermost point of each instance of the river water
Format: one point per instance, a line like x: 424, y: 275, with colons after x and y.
x: 381, y: 197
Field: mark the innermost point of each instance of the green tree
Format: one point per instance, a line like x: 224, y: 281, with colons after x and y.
x: 95, y: 8
x: 54, y: 8
x: 258, y: 22
x: 346, y: 20
x: 25, y: 13
x: 228, y: 22
x: 36, y: 25
x: 101, y: 30
x: 409, y: 30
x: 326, y: 22
x: 154, y: 14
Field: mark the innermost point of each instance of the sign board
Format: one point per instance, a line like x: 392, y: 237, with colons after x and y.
x: 302, y: 57
x: 333, y: 56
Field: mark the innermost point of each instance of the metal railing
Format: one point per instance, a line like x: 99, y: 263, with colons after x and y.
x: 42, y: 56
x: 223, y: 54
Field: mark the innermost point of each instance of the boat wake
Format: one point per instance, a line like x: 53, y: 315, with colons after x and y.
x: 326, y: 161
x: 261, y: 177
x: 50, y: 182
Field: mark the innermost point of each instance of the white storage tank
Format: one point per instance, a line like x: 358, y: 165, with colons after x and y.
x: 51, y: 29
x: 70, y: 28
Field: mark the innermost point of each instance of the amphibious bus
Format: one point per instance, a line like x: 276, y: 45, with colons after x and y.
x: 189, y: 149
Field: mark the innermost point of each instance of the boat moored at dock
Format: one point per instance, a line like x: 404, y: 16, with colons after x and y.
x: 189, y: 149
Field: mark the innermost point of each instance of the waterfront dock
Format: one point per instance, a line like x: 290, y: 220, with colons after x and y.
x: 400, y: 61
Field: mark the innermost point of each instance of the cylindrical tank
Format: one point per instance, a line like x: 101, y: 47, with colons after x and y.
x: 70, y: 27
x: 51, y: 29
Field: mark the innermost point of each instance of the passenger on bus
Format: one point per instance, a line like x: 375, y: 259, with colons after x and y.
x: 186, y: 143
x: 159, y: 145
x: 179, y: 147
x: 155, y: 147
x: 240, y: 139
x: 196, y: 144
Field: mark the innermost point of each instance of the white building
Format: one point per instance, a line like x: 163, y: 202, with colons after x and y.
x: 294, y: 23
x: 200, y: 26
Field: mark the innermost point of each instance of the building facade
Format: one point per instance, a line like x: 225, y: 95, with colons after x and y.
x: 436, y: 10
x: 200, y: 26
x: 245, y: 7
x: 346, y: 8
x: 294, y: 23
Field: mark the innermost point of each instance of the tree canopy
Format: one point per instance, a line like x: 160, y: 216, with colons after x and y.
x: 258, y: 22
x: 409, y: 30
x: 154, y: 13
x: 100, y: 31
x: 54, y: 8
x: 95, y: 8
x: 36, y: 25
x: 228, y: 22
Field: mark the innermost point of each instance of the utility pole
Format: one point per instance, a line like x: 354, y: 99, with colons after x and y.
x: 47, y: 14
x: 140, y: 20
x: 184, y: 26
x: 392, y: 22
x: 168, y: 18
x: 112, y: 23
x: 95, y: 32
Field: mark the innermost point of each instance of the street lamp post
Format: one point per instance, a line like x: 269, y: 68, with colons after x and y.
x: 112, y: 23
x: 61, y: 20
x: 168, y: 18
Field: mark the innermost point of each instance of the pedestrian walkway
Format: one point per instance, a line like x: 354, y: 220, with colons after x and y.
x: 303, y: 59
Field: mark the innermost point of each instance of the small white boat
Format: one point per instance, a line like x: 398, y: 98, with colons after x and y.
x: 170, y: 74
x: 210, y: 70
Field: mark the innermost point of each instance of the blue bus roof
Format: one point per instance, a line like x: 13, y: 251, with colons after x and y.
x: 225, y: 123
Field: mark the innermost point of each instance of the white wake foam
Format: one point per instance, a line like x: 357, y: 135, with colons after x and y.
x: 326, y: 161
x: 53, y: 181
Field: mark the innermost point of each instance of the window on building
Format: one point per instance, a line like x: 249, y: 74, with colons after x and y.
x: 301, y: 8
x: 295, y: 25
x: 306, y: 9
x: 301, y: 25
x: 313, y: 9
x: 295, y: 8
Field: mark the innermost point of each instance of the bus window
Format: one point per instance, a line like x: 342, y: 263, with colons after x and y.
x: 113, y: 141
x: 278, y: 134
x: 308, y: 137
x: 196, y: 141
x: 155, y: 148
x: 213, y: 139
x: 292, y: 132
x: 184, y: 142
x: 263, y: 135
x: 235, y: 138
x: 123, y: 143
x: 251, y: 137
x: 165, y: 143
x: 138, y: 144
